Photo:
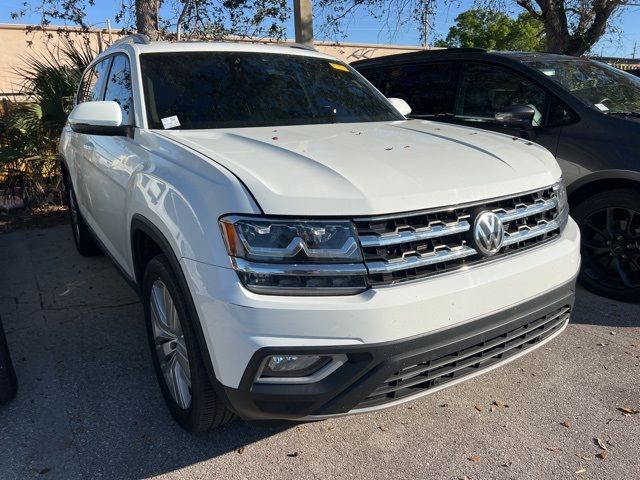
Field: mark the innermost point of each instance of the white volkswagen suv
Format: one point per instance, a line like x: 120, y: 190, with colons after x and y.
x: 301, y: 249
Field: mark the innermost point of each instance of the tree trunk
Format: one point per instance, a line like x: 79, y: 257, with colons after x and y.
x: 147, y: 18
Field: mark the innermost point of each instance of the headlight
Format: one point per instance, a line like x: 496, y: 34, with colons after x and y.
x: 562, y: 201
x: 295, y: 257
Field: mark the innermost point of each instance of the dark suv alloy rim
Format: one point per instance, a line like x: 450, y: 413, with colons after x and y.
x: 611, y: 247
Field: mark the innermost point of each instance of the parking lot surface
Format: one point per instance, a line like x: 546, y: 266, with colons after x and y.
x: 89, y: 405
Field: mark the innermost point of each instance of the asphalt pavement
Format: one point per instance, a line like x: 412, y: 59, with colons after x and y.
x: 89, y: 407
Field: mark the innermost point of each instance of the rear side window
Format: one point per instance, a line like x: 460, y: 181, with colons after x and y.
x: 118, y: 87
x: 93, y: 82
x: 428, y: 89
x: 487, y: 89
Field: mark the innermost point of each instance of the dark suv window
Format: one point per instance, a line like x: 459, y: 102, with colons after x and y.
x: 119, y: 87
x: 485, y: 90
x: 429, y: 89
x: 93, y: 81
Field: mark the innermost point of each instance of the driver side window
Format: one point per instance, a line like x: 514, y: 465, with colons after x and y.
x: 485, y: 90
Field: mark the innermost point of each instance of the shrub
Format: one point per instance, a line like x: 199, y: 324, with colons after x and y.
x: 29, y: 130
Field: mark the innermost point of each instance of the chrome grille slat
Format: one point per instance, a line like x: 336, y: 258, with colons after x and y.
x: 522, y: 212
x: 415, y: 245
x: 528, y: 233
x: 420, y: 260
x: 414, y: 236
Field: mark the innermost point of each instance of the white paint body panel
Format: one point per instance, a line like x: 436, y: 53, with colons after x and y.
x: 374, y: 168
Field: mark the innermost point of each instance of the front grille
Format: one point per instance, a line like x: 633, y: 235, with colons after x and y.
x: 411, y: 246
x: 458, y: 363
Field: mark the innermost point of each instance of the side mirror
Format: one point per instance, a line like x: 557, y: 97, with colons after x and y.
x: 517, y: 116
x: 98, y: 118
x: 400, y: 105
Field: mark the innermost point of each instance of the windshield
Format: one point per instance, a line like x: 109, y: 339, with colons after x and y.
x: 600, y: 86
x: 229, y: 89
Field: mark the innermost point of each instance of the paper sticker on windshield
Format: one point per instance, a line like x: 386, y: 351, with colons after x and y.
x: 602, y: 107
x: 337, y: 66
x: 170, y: 122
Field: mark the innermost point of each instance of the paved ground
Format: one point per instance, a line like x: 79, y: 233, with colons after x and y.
x: 89, y: 406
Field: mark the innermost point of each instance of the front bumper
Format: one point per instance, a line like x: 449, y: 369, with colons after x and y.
x: 380, y: 330
x: 386, y: 374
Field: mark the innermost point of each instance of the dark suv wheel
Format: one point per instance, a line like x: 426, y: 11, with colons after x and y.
x: 610, y: 228
x: 176, y: 354
x: 8, y: 380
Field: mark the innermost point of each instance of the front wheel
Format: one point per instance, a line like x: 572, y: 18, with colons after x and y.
x: 176, y: 354
x: 610, y: 229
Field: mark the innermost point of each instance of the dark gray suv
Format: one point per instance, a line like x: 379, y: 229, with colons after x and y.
x: 585, y: 112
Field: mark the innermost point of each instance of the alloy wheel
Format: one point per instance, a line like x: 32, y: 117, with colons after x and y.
x: 170, y: 345
x: 611, y: 247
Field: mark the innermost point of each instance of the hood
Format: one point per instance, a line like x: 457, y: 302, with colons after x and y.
x: 372, y: 168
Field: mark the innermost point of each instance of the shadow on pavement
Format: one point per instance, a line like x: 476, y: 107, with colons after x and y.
x: 591, y: 309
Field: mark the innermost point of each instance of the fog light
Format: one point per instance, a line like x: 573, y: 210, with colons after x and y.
x: 293, y: 365
x: 299, y: 368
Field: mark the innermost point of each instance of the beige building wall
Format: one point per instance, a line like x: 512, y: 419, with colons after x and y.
x: 18, y: 42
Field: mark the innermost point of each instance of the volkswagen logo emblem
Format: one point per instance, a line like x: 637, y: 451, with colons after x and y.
x: 488, y: 233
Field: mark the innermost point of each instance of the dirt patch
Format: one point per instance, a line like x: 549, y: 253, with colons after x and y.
x: 41, y: 217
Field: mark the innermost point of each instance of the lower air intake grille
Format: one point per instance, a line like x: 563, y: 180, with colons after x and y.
x: 457, y: 364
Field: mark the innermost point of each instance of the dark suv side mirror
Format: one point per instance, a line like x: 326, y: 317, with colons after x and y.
x: 517, y: 116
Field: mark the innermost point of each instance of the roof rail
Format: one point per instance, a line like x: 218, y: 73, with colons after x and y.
x: 302, y: 46
x: 134, y: 38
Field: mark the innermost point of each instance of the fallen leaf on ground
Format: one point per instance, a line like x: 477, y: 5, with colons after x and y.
x: 444, y: 405
x: 240, y: 450
x: 498, y: 403
x: 602, y: 455
x: 293, y: 455
x: 506, y: 464
x: 475, y: 458
x: 582, y: 470
x: 582, y: 457
x: 601, y: 444
x: 479, y: 408
x: 628, y: 410
x: 566, y: 424
x: 554, y: 449
x: 612, y: 333
x: 382, y: 428
x: 492, y: 408
x: 602, y: 344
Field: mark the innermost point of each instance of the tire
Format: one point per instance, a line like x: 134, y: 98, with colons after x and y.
x: 610, y: 228
x: 82, y: 236
x: 8, y: 379
x: 191, y: 398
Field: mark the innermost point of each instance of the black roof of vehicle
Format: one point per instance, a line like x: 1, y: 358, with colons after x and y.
x: 462, y: 52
